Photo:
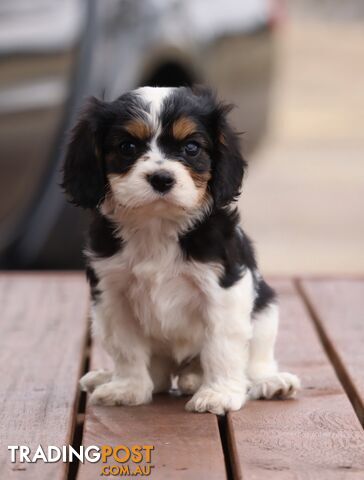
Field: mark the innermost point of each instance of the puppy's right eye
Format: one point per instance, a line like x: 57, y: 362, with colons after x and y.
x: 128, y: 148
x: 192, y: 149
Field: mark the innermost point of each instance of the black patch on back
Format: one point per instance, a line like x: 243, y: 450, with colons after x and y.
x: 218, y: 238
x: 265, y: 295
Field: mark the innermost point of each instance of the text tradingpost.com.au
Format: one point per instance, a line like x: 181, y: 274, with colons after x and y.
x: 135, y: 460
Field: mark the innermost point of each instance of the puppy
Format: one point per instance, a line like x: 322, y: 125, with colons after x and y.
x: 174, y: 281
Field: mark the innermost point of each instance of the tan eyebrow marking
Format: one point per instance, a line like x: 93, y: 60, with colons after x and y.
x: 183, y: 127
x: 138, y: 129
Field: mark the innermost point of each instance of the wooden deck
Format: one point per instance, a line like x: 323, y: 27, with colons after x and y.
x: 45, y: 348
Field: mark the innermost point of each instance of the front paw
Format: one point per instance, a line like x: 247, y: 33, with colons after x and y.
x: 218, y: 400
x: 278, y: 385
x: 122, y: 392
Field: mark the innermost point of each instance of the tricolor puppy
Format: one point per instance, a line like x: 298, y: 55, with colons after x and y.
x: 174, y: 281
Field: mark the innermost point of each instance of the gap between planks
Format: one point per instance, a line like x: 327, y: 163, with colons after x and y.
x: 332, y: 354
x: 79, y: 423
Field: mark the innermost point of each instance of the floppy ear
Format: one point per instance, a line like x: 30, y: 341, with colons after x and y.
x: 83, y: 172
x: 228, y: 163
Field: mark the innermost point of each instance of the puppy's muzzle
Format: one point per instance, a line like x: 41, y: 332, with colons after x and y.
x: 161, y: 181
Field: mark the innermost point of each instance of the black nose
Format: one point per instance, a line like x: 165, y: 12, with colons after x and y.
x: 161, y: 181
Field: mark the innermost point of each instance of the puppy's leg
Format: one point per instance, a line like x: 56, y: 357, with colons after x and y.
x: 267, y: 382
x: 123, y: 339
x: 224, y: 355
x: 190, y: 377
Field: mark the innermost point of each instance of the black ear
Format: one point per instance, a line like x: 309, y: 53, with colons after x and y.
x: 83, y: 173
x: 228, y: 163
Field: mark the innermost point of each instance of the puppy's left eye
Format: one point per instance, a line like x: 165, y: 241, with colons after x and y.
x: 128, y: 148
x: 192, y: 149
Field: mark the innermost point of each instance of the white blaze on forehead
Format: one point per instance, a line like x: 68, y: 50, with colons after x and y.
x: 154, y: 96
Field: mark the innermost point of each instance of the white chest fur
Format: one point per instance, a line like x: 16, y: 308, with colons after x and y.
x: 163, y: 290
x: 167, y: 295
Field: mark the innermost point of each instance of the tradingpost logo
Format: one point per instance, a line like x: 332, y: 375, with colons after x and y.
x: 119, y: 460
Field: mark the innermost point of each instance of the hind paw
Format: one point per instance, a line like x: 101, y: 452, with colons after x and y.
x: 91, y: 380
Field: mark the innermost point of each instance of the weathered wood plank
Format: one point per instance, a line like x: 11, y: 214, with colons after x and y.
x: 186, y: 446
x: 338, y: 309
x: 43, y: 333
x: 314, y: 437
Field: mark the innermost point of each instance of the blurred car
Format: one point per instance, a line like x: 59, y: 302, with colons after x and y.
x: 54, y: 54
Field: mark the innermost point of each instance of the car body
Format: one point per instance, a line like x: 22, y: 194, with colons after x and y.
x: 54, y: 54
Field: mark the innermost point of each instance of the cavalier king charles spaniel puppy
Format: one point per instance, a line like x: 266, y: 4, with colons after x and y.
x: 176, y: 292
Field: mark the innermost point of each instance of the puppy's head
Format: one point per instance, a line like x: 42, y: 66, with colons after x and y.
x: 168, y: 147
